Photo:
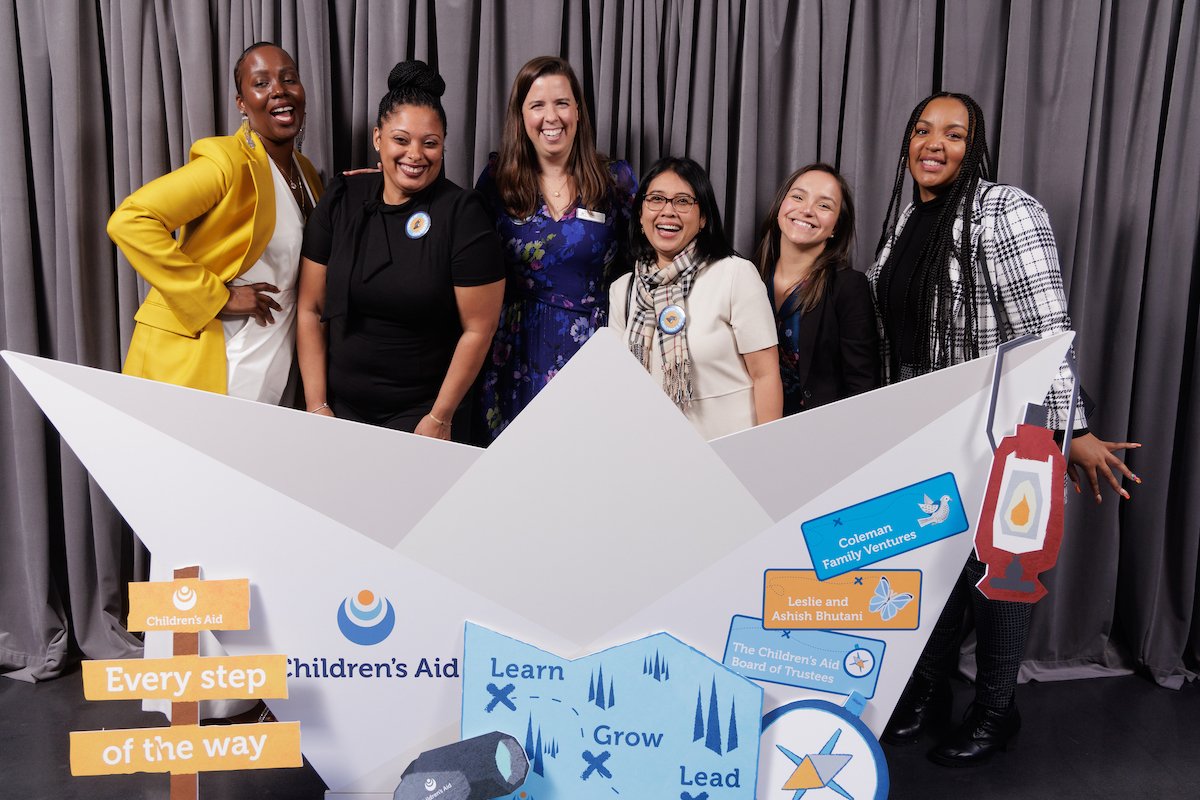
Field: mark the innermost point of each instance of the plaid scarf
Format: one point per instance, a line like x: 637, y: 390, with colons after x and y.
x: 655, y: 288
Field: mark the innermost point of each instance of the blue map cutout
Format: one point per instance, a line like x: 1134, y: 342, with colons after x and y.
x: 651, y: 718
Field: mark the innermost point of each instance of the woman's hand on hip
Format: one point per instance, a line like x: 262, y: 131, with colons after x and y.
x: 251, y: 300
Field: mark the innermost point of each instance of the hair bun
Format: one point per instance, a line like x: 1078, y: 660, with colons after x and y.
x: 416, y: 75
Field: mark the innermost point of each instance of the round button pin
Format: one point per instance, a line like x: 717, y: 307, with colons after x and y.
x: 672, y: 319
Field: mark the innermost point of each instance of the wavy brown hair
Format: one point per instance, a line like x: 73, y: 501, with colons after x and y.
x: 836, y: 254
x: 517, y: 165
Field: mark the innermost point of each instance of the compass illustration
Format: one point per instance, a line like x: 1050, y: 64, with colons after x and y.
x: 859, y: 662
x: 814, y: 749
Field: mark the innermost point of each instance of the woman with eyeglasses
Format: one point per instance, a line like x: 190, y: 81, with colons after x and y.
x: 692, y: 311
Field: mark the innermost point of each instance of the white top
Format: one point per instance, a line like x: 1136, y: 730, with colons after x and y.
x: 728, y: 315
x: 260, y: 356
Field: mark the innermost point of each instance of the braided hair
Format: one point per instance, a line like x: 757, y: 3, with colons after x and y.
x: 931, y: 277
x: 413, y: 83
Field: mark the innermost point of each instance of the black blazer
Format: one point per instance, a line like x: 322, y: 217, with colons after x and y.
x: 838, y: 353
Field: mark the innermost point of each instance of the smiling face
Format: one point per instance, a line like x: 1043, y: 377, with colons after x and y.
x: 411, y: 145
x: 670, y: 231
x: 270, y: 94
x: 551, y: 116
x: 809, y: 213
x: 937, y: 146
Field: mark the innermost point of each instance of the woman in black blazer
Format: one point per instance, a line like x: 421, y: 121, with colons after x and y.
x: 828, y: 342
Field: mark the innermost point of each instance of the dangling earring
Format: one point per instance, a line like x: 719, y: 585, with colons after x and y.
x: 246, y: 131
x: 300, y: 136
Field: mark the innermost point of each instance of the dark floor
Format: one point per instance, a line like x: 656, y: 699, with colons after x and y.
x: 1113, y: 737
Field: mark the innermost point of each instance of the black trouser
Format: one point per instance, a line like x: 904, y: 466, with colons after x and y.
x: 1001, y: 631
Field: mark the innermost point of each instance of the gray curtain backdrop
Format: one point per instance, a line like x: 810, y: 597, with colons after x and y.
x: 1093, y: 106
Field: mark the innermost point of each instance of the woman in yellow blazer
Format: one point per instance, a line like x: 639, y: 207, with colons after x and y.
x: 220, y: 312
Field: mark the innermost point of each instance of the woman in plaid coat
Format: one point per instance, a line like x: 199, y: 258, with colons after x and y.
x: 932, y: 313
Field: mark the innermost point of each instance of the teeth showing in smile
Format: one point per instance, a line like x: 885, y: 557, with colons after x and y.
x: 282, y: 110
x: 413, y: 170
x: 669, y: 228
x: 552, y: 133
x: 929, y: 162
x: 804, y: 223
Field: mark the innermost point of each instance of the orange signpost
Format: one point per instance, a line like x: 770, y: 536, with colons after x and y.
x: 186, y: 606
x: 870, y: 599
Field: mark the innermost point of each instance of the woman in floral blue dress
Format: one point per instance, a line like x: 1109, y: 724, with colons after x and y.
x: 562, y: 211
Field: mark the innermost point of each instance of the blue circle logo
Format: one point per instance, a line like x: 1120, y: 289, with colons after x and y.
x: 672, y: 319
x: 418, y: 225
x: 366, y: 618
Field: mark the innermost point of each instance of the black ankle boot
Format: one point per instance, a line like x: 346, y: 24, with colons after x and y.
x: 923, y: 704
x: 983, y: 731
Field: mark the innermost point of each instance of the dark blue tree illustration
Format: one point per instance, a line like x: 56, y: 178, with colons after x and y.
x: 712, y: 737
x: 600, y: 689
x: 529, y: 738
x: 538, y: 765
x: 698, y: 730
x: 596, y: 693
x: 656, y: 669
x: 612, y: 696
x: 732, y: 743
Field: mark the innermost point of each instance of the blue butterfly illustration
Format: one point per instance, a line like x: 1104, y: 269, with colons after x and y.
x: 887, y: 603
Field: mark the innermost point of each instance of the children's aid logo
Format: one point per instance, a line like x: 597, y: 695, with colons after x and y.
x: 184, y: 598
x: 366, y: 618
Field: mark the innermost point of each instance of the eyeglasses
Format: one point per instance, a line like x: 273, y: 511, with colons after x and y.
x: 682, y: 203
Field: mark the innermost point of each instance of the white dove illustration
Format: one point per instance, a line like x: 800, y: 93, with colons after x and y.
x: 937, y: 511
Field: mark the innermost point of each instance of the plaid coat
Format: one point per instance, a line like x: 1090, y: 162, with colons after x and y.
x: 1022, y: 260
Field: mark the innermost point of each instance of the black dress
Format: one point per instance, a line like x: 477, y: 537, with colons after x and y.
x: 389, y: 292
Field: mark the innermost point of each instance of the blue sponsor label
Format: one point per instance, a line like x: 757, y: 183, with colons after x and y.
x: 823, y: 660
x: 888, y: 525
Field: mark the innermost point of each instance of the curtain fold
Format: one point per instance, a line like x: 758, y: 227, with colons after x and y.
x: 1092, y: 106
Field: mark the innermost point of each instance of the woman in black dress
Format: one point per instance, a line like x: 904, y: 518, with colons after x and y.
x: 402, y: 278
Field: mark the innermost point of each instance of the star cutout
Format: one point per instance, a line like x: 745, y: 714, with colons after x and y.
x: 817, y: 770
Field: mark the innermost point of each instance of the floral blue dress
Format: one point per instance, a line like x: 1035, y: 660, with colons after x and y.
x: 556, y: 296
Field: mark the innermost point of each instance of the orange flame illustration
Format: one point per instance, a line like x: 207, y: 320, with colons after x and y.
x: 1020, y: 512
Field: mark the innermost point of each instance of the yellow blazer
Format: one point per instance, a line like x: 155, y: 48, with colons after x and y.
x: 223, y: 203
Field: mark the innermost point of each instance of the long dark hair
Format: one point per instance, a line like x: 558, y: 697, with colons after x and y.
x: 517, y: 166
x: 711, y: 241
x: 932, y: 272
x: 836, y: 254
x: 413, y: 83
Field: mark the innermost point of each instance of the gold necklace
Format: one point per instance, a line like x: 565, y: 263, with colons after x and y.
x: 561, y: 186
x: 297, y: 186
x: 293, y: 183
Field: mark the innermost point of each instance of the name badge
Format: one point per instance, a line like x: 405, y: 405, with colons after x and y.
x: 590, y: 216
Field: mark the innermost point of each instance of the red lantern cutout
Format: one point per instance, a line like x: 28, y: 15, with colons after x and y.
x: 1021, y: 525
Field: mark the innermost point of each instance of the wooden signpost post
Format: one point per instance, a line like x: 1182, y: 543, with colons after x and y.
x: 187, y: 606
